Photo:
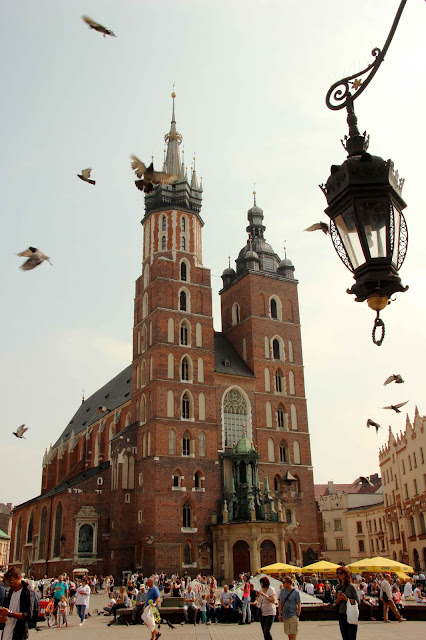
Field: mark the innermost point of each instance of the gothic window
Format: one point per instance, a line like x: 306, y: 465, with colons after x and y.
x: 201, y: 407
x: 146, y: 276
x: 296, y: 452
x: 187, y: 409
x: 163, y: 223
x: 85, y: 539
x: 283, y: 453
x: 198, y: 335
x: 281, y: 417
x: 187, y: 556
x: 186, y: 444
x: 185, y: 333
x: 172, y: 442
x: 58, y: 531
x: 143, y: 338
x: 202, y: 444
x: 177, y: 479
x: 293, y: 413
x: 235, y: 313
x: 183, y: 243
x: 291, y: 385
x: 143, y: 410
x: 186, y: 515
x: 170, y: 404
x: 278, y: 381
x: 143, y: 373
x: 30, y: 528
x: 274, y: 313
x: 183, y: 271
x: 288, y: 516
x: 145, y: 305
x: 271, y: 451
x: 268, y: 411
x: 17, y: 549
x: 42, y: 535
x: 235, y: 415
x: 186, y: 369
x: 163, y: 243
x: 277, y: 483
x: 290, y: 351
x: 182, y: 301
x: 183, y: 224
x: 276, y: 349
x: 267, y: 380
x: 197, y: 481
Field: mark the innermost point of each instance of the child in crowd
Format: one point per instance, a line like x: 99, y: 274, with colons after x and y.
x: 62, y: 611
x: 48, y: 614
x: 203, y: 608
x: 72, y: 603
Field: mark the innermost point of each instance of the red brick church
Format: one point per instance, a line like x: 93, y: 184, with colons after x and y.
x: 201, y: 461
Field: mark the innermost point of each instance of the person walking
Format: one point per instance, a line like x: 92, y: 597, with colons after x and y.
x: 62, y: 612
x: 82, y: 600
x: 20, y: 607
x: 289, y: 608
x: 246, y: 613
x: 266, y: 600
x: 345, y: 591
x: 388, y: 603
x: 61, y: 588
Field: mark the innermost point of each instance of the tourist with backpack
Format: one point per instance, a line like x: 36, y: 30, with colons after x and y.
x: 20, y: 610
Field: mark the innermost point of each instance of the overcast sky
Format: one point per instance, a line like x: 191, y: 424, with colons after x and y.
x: 251, y: 77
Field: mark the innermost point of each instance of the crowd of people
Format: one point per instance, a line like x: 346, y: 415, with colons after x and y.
x: 203, y: 601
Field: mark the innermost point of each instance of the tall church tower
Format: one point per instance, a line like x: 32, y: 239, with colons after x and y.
x: 173, y: 375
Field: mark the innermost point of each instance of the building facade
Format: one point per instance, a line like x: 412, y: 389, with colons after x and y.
x: 336, y: 502
x: 403, y: 469
x: 196, y: 457
x: 5, y: 531
x: 367, y: 531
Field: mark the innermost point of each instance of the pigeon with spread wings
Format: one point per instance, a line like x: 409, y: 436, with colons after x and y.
x: 85, y: 176
x: 394, y: 378
x: 318, y: 226
x: 98, y: 27
x: 149, y: 176
x: 19, y: 433
x: 35, y: 257
x: 371, y: 423
x: 396, y: 407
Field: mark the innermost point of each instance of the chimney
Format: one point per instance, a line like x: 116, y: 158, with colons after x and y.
x: 330, y: 488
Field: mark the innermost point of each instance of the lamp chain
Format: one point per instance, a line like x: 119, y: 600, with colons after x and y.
x: 378, y: 322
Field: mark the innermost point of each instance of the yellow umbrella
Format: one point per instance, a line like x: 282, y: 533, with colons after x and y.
x: 280, y: 567
x: 380, y: 564
x: 320, y: 567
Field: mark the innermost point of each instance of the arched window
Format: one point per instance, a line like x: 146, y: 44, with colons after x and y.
x: 183, y: 271
x: 183, y: 243
x: 170, y: 330
x: 149, y: 443
x: 279, y: 381
x: 177, y: 479
x: 275, y: 349
x: 201, y: 407
x: 235, y: 415
x: 267, y: 380
x: 85, y: 539
x: 17, y: 549
x: 186, y: 516
x: 201, y: 444
x: 283, y: 453
x: 288, y: 518
x: 185, y: 333
x: 30, y: 527
x: 145, y: 305
x: 198, y: 335
x: 274, y: 309
x: 268, y: 411
x: 170, y: 404
x: 143, y: 374
x: 183, y: 224
x: 197, y: 480
x: 291, y: 385
x: 235, y: 313
x: 296, y: 452
x: 290, y: 351
x: 146, y: 276
x: 144, y: 342
x: 293, y: 414
x: 187, y: 406
x: 186, y: 369
x: 163, y: 223
x: 42, y: 535
x: 143, y: 410
x: 422, y: 525
x: 58, y: 531
x: 163, y: 243
x: 172, y: 442
x: 281, y: 418
x: 186, y: 444
x: 277, y: 484
x: 271, y: 450
x: 170, y: 366
x: 183, y: 301
x: 187, y: 556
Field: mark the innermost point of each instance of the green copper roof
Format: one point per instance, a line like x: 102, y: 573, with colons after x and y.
x: 243, y: 446
x: 4, y: 535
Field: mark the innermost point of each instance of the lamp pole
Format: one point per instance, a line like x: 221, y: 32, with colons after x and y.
x: 367, y: 226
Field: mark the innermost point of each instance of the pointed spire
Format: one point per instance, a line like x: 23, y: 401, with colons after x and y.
x: 182, y: 167
x: 173, y: 140
x: 194, y: 181
x: 164, y: 160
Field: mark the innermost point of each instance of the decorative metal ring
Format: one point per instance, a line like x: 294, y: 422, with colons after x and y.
x: 378, y: 323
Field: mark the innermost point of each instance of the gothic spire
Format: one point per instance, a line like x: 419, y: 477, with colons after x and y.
x: 194, y: 180
x: 173, y: 140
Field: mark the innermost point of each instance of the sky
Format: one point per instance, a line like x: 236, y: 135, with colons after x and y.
x: 251, y: 78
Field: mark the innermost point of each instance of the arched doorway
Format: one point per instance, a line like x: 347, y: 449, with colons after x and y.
x: 268, y: 553
x: 241, y: 557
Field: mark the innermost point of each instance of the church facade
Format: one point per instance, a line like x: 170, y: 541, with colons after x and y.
x: 196, y: 457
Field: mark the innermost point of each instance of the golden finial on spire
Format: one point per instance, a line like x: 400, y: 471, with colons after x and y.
x: 173, y: 92
x: 152, y: 158
x: 244, y: 429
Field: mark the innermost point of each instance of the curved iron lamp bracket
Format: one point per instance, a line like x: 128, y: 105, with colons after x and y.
x: 340, y: 94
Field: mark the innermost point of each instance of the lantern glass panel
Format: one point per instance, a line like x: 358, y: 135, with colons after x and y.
x: 396, y: 233
x: 375, y: 220
x: 346, y: 225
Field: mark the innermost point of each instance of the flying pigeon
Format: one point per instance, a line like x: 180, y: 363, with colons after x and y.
x: 36, y: 257
x: 102, y: 410
x: 19, y: 433
x: 371, y: 423
x: 98, y: 27
x: 85, y: 176
x: 318, y: 226
x: 396, y: 407
x: 149, y: 539
x: 150, y: 177
x: 394, y: 378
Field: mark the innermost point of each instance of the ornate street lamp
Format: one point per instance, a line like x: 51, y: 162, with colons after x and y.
x: 365, y: 206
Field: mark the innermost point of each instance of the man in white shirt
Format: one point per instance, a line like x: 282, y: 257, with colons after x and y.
x: 408, y: 589
x: 18, y: 606
x: 386, y: 598
x: 189, y: 600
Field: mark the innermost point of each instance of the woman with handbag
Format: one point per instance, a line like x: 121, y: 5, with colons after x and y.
x: 347, y: 605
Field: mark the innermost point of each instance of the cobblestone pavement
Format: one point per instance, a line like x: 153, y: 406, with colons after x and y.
x: 95, y: 628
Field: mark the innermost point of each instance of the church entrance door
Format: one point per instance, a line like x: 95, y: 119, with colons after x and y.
x: 241, y: 558
x: 268, y: 553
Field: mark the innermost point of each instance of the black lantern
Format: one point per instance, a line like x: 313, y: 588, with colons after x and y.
x: 367, y: 226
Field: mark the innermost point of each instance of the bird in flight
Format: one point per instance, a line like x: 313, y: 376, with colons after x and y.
x: 396, y: 407
x: 394, y: 378
x: 85, y: 176
x: 318, y: 226
x: 98, y: 27
x: 102, y: 410
x: 149, y: 539
x: 19, y: 433
x: 35, y: 257
x: 371, y: 423
x: 150, y: 177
